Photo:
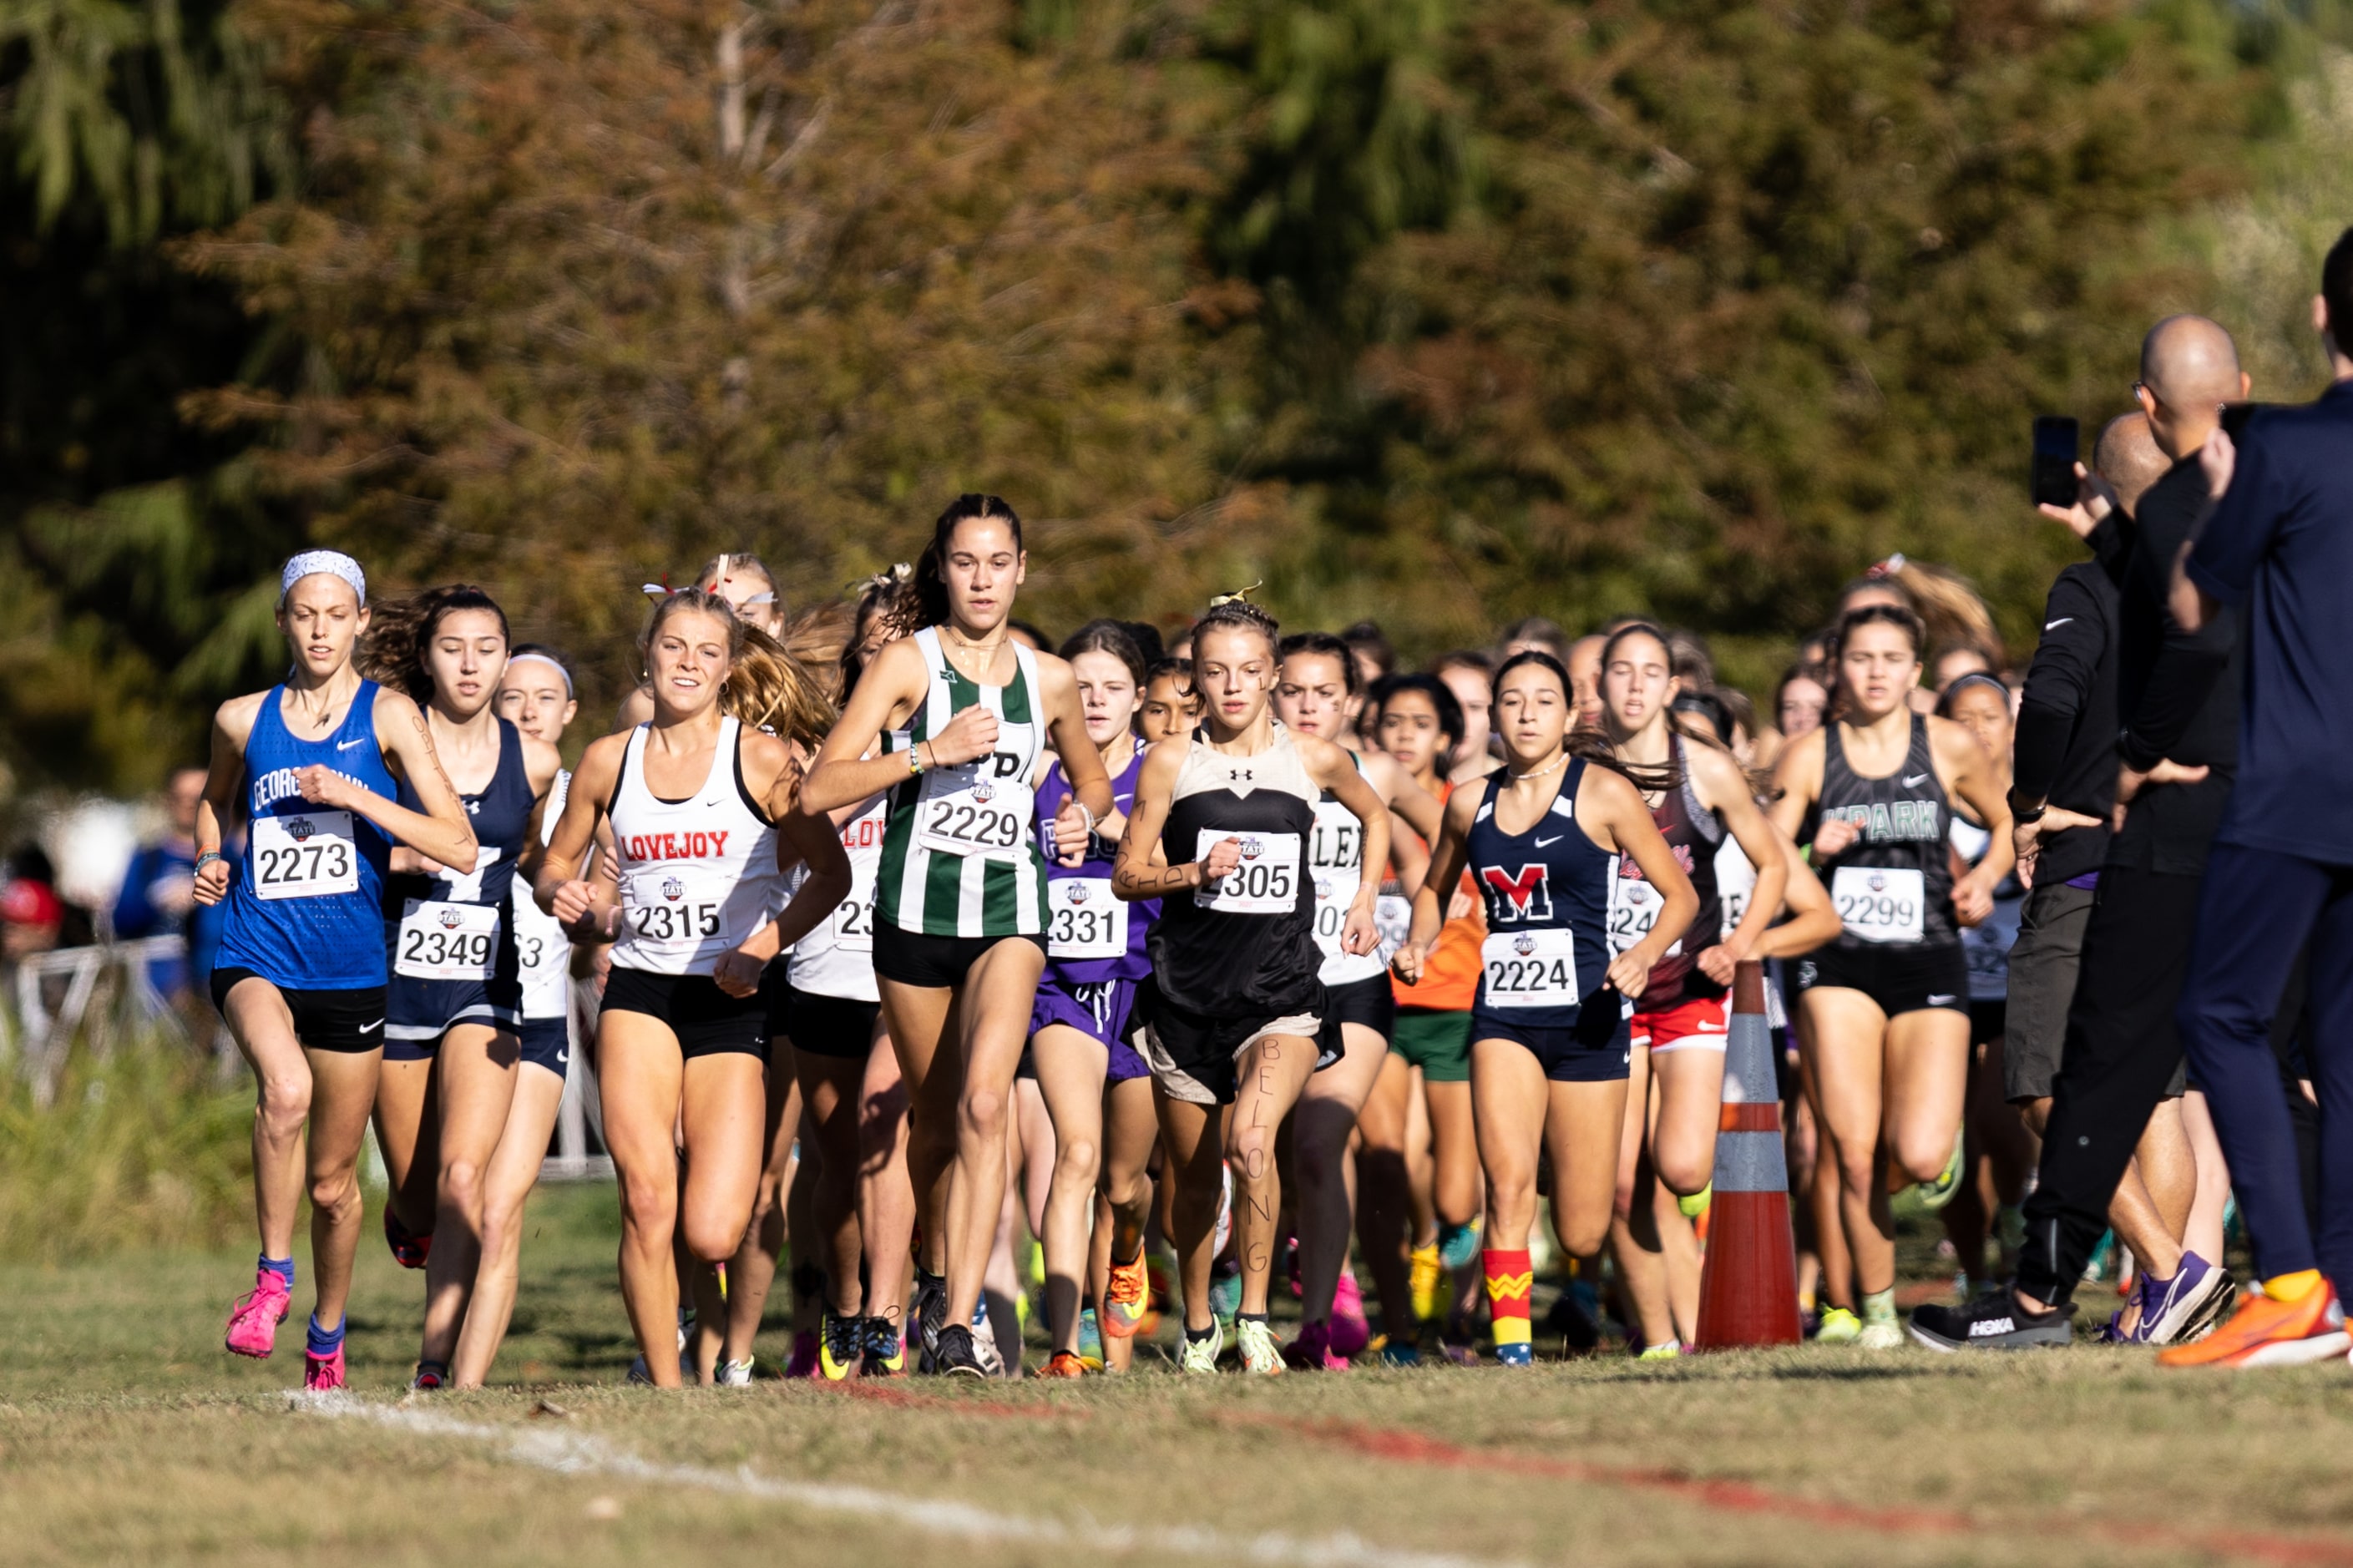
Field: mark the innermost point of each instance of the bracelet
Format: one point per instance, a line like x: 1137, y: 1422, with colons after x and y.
x: 1085, y: 813
x: 915, y: 760
x: 205, y: 859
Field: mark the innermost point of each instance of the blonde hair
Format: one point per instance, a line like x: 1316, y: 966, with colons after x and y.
x: 1949, y: 609
x: 767, y: 686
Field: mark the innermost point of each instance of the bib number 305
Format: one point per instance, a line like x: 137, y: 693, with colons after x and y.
x: 1265, y: 883
x: 308, y: 855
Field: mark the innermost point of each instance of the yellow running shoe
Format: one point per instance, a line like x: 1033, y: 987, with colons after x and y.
x: 840, y: 1346
x: 1670, y: 1351
x: 1429, y: 1280
x: 1839, y: 1326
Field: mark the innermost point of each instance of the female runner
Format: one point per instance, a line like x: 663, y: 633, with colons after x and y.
x: 454, y: 1012
x: 300, y: 973
x: 863, y: 1208
x: 741, y: 579
x: 1886, y: 1005
x: 960, y: 910
x: 1550, y: 1041
x: 700, y: 803
x: 1096, y: 1086
x: 1236, y: 1015
x: 1316, y: 695
x: 535, y: 696
x: 1680, y: 1018
x: 1417, y: 720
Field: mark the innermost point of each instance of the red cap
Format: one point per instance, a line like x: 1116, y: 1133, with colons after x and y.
x: 27, y: 903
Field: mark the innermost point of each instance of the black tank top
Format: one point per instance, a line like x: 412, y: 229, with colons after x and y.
x: 1893, y: 885
x: 1243, y: 947
x: 1693, y: 832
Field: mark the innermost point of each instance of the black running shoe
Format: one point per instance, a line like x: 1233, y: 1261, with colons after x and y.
x: 1994, y: 1322
x: 927, y: 1311
x: 954, y: 1352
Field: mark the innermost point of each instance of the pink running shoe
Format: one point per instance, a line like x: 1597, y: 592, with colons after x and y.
x: 804, y: 1362
x: 1350, y: 1333
x: 1312, y: 1351
x: 322, y: 1374
x: 253, y: 1321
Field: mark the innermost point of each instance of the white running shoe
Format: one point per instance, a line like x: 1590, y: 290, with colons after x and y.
x: 1260, y: 1354
x: 1201, y: 1355
x: 1879, y: 1337
x: 734, y: 1373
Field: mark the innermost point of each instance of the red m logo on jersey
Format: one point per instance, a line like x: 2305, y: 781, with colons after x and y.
x: 1525, y: 895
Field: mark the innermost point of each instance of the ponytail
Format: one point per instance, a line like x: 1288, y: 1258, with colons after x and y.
x: 921, y: 599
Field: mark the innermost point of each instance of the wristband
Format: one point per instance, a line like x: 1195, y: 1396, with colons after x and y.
x: 205, y: 859
x: 2024, y: 814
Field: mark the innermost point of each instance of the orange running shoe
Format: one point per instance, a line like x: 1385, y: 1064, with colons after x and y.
x: 2266, y: 1331
x: 1066, y: 1363
x: 1127, y: 1297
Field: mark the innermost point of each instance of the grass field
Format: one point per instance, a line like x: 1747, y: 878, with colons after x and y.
x: 126, y: 1435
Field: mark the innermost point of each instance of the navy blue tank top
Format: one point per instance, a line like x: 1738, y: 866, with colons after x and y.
x: 1548, y: 897
x: 305, y: 909
x: 438, y: 942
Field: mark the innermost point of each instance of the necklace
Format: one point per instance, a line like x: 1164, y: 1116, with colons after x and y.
x: 1552, y: 766
x: 988, y: 651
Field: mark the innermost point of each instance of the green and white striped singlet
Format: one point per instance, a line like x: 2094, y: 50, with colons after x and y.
x: 959, y: 857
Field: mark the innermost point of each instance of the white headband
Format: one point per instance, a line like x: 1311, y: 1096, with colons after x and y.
x: 552, y: 664
x: 332, y: 562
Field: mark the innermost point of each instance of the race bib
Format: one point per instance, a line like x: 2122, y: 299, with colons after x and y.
x: 1531, y: 968
x: 853, y: 921
x: 1735, y: 881
x: 305, y: 854
x: 1265, y: 883
x: 1634, y: 906
x: 1394, y: 915
x: 668, y: 912
x: 1879, y: 904
x: 447, y: 942
x: 971, y: 810
x: 539, y: 954
x: 1083, y: 920
x: 1336, y: 859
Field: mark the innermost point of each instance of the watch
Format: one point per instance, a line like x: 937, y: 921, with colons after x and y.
x: 2024, y: 815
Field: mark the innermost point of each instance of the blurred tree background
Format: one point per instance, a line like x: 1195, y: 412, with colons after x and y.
x: 1439, y: 311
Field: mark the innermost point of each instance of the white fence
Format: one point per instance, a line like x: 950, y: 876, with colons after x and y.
x: 101, y: 995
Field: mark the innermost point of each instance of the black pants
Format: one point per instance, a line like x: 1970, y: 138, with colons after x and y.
x: 2119, y: 1058
x: 2121, y: 1050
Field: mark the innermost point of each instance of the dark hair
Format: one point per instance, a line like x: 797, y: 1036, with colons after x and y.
x: 1035, y: 633
x: 1877, y: 615
x: 1689, y: 657
x: 1324, y: 645
x: 1584, y: 740
x: 1367, y: 638
x: 1875, y: 578
x: 1944, y: 701
x: 1535, y: 629
x: 883, y: 595
x: 1234, y: 611
x: 1708, y: 706
x: 923, y: 596
x: 401, y: 631
x: 542, y: 650
x: 2336, y: 290
x: 1179, y: 670
x: 1736, y: 704
x: 1147, y: 641
x: 1465, y: 658
x: 1113, y: 638
x: 1441, y: 697
x: 1650, y: 629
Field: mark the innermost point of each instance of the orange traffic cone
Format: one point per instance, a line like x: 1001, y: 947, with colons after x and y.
x: 1748, y: 1290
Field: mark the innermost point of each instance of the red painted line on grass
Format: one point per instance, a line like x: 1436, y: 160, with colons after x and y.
x: 878, y: 1390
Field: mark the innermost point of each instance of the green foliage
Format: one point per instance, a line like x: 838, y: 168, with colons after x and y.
x: 146, y: 1149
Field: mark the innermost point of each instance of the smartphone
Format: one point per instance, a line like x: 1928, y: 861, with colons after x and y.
x: 2056, y: 438
x: 2235, y: 417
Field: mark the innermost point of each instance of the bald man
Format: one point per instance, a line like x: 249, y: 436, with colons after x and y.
x: 2177, y: 735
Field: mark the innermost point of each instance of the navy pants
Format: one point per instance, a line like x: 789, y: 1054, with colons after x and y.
x: 2257, y: 913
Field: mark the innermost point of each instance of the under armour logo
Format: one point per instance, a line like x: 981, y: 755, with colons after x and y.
x: 1243, y: 773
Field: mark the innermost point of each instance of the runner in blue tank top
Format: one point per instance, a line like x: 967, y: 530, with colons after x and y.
x: 1549, y: 1042
x: 1096, y: 1084
x: 454, y: 1012
x: 314, y: 765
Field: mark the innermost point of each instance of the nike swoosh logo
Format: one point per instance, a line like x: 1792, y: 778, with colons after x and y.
x: 347, y: 745
x: 377, y: 1024
x: 2055, y: 625
x: 1915, y: 780
x: 1940, y: 1001
x: 1556, y: 838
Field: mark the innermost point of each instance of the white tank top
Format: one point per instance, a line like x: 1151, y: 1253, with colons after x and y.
x: 836, y: 957
x: 1336, y: 860
x: 698, y: 876
x: 543, y: 952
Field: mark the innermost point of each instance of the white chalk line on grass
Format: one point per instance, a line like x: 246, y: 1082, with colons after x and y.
x: 584, y: 1454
